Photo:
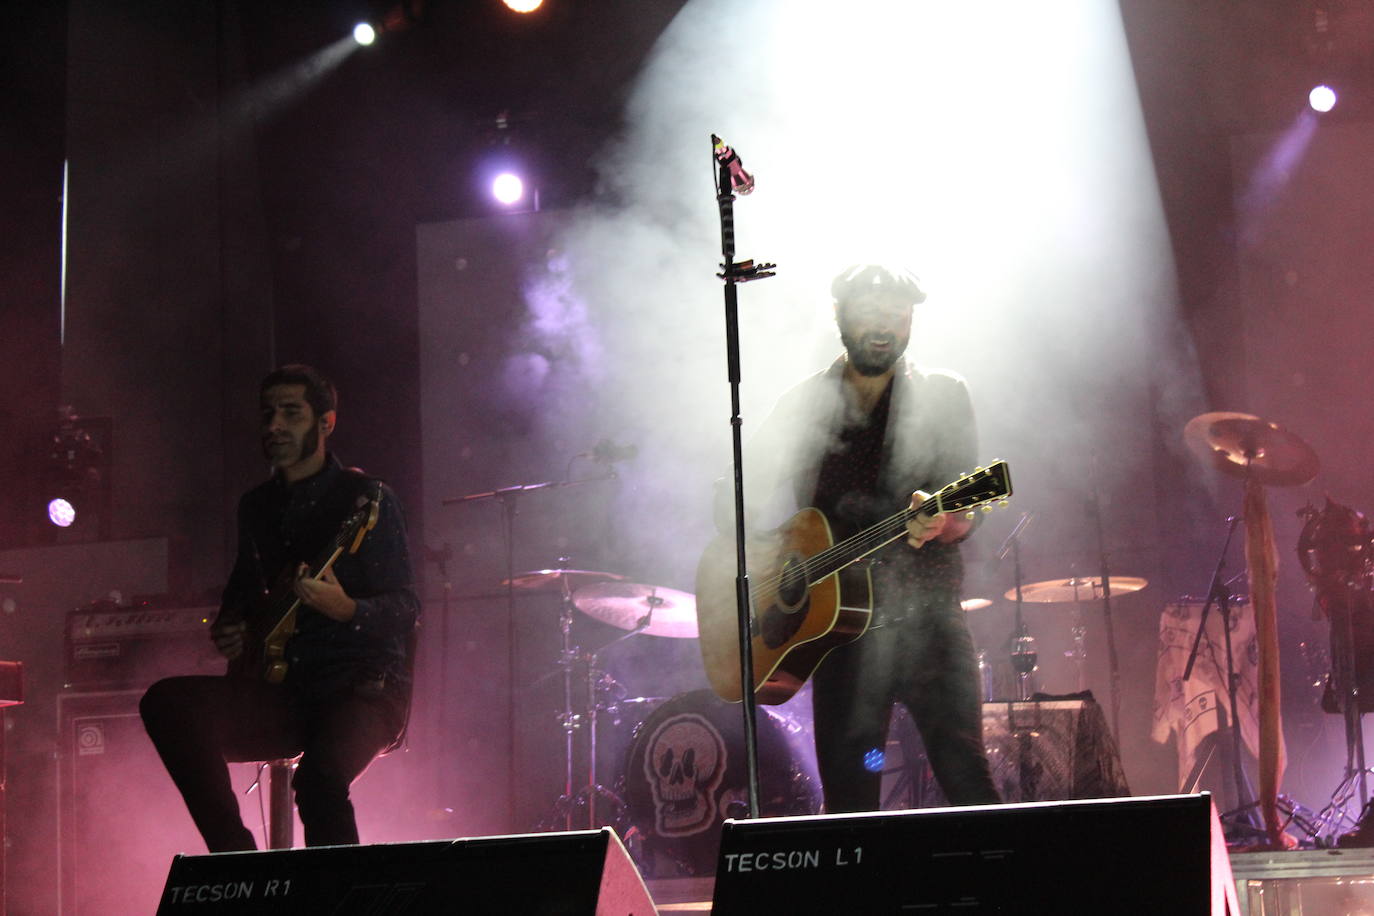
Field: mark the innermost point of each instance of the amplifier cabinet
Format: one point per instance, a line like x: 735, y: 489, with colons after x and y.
x: 120, y: 818
x: 109, y: 647
x: 1052, y: 750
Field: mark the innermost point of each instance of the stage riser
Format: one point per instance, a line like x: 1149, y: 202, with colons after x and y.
x: 1305, y: 883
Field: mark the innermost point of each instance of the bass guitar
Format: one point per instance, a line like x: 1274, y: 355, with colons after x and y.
x: 808, y: 594
x: 272, y: 622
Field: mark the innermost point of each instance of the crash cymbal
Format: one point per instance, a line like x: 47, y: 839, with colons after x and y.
x: 1075, y: 588
x: 1232, y: 441
x: 552, y: 578
x: 624, y: 604
x: 975, y: 604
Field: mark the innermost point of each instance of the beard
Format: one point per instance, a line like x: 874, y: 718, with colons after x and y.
x: 306, y: 447
x: 867, y: 361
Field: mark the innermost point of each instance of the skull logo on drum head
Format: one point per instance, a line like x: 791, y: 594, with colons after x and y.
x: 685, y: 765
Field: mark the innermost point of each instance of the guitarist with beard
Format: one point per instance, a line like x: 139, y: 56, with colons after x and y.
x: 856, y: 441
x: 345, y: 692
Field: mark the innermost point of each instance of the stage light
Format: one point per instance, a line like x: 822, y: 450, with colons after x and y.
x: 507, y: 188
x: 1322, y: 98
x: 874, y: 760
x: 524, y: 6
x: 61, y: 513
x: 76, y: 479
x: 364, y: 34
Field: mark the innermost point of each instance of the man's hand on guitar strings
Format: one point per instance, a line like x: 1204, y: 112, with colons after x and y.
x: 922, y: 528
x: 324, y: 594
x: 228, y: 637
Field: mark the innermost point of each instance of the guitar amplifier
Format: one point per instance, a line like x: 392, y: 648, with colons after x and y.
x: 110, y: 646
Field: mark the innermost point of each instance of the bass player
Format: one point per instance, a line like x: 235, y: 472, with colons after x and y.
x: 345, y: 692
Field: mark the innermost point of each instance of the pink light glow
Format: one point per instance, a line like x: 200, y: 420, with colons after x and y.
x: 507, y: 188
x: 61, y: 513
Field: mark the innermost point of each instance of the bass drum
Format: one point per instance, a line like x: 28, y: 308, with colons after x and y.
x: 685, y: 774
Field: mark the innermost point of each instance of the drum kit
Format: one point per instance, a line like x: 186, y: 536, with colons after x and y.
x: 683, y: 772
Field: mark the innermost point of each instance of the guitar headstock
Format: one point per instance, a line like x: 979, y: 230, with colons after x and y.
x: 364, y: 517
x: 981, y: 488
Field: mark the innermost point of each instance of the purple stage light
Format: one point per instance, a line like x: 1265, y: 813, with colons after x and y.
x: 1322, y: 98
x: 507, y: 188
x: 61, y: 513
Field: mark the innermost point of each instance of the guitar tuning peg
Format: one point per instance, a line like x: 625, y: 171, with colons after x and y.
x: 979, y: 469
x: 970, y: 515
x: 986, y: 509
x: 1002, y: 503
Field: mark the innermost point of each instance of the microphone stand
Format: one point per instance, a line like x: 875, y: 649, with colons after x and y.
x: 440, y: 558
x: 1219, y: 593
x: 507, y: 497
x: 732, y: 274
x: 1023, y: 653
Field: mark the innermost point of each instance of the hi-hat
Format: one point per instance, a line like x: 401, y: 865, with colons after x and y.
x: 975, y: 604
x: 624, y: 604
x: 553, y: 578
x: 1076, y: 588
x: 1238, y: 443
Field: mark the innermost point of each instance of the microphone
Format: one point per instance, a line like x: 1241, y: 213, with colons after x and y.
x: 607, y: 452
x: 741, y: 182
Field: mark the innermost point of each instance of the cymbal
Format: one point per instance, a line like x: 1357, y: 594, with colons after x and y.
x: 1231, y: 442
x: 550, y: 578
x: 1075, y: 588
x: 624, y: 604
x: 975, y: 604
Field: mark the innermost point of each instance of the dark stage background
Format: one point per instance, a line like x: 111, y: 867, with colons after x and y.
x: 239, y: 192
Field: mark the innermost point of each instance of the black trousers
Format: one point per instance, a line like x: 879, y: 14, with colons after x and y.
x: 919, y: 653
x: 200, y: 724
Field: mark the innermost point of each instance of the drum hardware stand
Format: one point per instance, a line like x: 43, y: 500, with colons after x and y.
x: 571, y: 721
x: 1024, y: 656
x: 1339, y: 597
x: 1113, y: 664
x: 508, y: 498
x: 594, y: 789
x: 1219, y: 594
x: 731, y: 177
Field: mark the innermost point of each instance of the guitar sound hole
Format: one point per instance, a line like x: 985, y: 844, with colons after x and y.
x: 792, y: 588
x: 780, y: 621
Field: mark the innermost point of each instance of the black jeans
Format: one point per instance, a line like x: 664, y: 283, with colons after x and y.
x: 919, y: 653
x: 199, y: 724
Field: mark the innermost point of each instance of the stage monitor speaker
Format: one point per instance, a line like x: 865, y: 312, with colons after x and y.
x: 1132, y: 855
x: 551, y: 874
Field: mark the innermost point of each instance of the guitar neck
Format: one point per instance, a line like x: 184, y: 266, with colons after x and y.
x: 855, y: 548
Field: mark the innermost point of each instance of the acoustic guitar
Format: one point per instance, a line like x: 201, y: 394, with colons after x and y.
x: 272, y: 621
x: 808, y: 594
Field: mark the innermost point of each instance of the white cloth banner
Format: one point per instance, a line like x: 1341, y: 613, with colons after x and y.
x: 1193, y: 709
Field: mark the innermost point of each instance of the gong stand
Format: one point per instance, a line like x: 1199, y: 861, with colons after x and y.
x: 730, y: 177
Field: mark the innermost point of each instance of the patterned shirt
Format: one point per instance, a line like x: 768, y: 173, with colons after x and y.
x: 281, y: 525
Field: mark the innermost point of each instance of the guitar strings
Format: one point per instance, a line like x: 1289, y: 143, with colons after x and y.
x: 815, y: 568
x: 871, y: 539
